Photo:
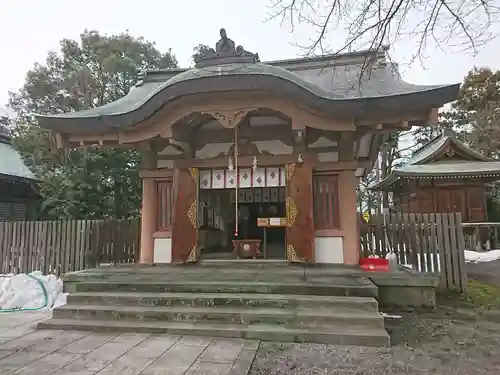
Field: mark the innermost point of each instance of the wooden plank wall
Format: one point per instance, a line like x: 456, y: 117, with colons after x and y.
x: 427, y: 243
x: 63, y: 246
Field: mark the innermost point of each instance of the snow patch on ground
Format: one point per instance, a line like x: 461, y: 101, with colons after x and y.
x: 484, y: 256
x: 25, y: 292
x: 390, y: 316
x: 470, y: 257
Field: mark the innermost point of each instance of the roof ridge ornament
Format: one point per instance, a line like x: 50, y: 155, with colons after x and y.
x: 225, y: 52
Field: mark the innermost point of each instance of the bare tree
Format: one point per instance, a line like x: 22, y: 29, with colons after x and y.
x: 372, y: 24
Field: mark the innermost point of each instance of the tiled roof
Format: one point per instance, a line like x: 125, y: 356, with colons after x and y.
x: 421, y: 164
x: 335, y: 87
x: 440, y: 143
x: 11, y: 162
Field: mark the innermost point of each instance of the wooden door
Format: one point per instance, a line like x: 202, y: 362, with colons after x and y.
x: 299, y: 213
x: 451, y: 200
x: 184, y: 227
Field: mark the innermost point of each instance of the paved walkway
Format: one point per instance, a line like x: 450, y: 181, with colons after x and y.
x: 26, y: 351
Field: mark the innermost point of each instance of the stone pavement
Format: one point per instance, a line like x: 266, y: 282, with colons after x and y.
x: 26, y: 351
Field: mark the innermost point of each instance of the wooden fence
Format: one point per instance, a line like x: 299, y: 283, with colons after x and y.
x: 481, y: 236
x: 63, y: 246
x: 428, y: 243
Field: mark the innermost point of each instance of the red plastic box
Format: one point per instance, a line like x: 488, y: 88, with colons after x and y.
x: 374, y: 264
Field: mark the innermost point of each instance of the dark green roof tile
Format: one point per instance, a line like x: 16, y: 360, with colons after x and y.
x: 331, y: 88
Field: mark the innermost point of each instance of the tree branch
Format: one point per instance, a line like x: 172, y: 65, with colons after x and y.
x: 374, y: 23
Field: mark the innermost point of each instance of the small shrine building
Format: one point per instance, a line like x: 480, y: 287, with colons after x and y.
x: 250, y: 158
x: 19, y: 197
x: 444, y: 175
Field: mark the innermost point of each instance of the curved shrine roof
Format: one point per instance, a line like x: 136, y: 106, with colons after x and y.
x: 335, y: 85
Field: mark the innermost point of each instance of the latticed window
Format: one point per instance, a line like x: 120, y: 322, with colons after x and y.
x: 165, y: 201
x: 325, y: 196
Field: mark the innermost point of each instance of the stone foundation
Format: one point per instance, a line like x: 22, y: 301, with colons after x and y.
x: 406, y: 289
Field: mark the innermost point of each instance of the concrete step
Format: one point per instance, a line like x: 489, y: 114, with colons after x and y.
x: 340, y: 335
x: 288, y: 317
x: 342, y: 286
x: 223, y: 299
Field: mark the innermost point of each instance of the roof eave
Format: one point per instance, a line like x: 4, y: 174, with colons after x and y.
x: 23, y: 179
x: 387, y: 182
x: 447, y: 175
x: 140, y: 110
x: 384, y: 183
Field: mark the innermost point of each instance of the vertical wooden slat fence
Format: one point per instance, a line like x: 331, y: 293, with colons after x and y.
x: 427, y: 243
x: 64, y: 246
x: 482, y: 236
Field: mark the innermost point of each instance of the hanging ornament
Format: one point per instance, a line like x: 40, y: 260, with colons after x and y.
x: 236, y: 211
x: 230, y: 165
x: 254, y: 163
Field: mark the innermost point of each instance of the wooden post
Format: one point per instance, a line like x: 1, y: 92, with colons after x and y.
x: 349, y: 216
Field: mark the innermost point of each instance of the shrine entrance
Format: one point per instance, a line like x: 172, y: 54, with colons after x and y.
x: 242, y: 222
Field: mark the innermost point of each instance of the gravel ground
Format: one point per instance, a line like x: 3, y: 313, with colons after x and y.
x: 460, y: 337
x: 446, y: 341
x: 486, y: 272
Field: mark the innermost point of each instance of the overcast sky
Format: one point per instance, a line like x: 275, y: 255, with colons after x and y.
x: 29, y: 29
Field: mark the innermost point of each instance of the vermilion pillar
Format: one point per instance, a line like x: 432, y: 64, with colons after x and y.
x: 148, y: 220
x: 349, y: 216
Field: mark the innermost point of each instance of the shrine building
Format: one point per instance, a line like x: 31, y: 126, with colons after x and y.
x: 443, y: 176
x: 250, y: 159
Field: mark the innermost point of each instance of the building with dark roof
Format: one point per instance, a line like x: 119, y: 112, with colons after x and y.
x: 444, y: 175
x: 234, y: 144
x: 19, y: 199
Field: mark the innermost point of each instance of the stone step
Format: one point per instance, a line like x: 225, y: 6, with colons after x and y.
x: 344, y: 335
x: 293, y: 318
x: 241, y: 266
x: 355, y: 286
x: 222, y: 299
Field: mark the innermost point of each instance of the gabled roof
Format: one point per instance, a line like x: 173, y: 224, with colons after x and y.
x: 11, y: 162
x: 353, y: 84
x: 423, y: 163
x: 439, y: 144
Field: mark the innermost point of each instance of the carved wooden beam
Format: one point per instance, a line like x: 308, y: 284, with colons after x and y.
x: 180, y: 146
x: 203, y: 136
x: 312, y: 135
x: 327, y: 167
x: 229, y: 118
x: 173, y: 157
x: 383, y: 127
x: 160, y: 173
x: 421, y: 115
x: 244, y: 161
